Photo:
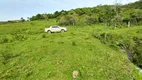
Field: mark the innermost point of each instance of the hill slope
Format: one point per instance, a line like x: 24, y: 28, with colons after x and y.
x: 26, y: 52
x: 136, y: 5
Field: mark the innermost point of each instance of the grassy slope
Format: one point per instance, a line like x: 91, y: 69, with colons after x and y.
x: 128, y: 39
x: 55, y: 56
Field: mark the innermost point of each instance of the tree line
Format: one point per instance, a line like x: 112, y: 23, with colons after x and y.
x: 114, y: 15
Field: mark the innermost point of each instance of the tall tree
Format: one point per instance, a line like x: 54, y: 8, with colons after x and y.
x: 22, y: 19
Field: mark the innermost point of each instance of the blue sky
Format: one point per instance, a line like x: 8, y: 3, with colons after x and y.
x: 15, y: 9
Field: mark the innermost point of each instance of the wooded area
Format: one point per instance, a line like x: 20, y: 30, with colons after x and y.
x: 114, y: 15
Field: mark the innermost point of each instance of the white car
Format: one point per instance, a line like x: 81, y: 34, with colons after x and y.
x: 55, y: 29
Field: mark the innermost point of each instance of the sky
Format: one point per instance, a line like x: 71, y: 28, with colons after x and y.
x: 15, y: 9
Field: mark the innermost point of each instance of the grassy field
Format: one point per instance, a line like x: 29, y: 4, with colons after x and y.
x: 27, y: 53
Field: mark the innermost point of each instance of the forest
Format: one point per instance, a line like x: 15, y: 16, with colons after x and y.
x: 114, y: 15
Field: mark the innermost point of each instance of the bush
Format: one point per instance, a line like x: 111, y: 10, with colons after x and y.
x: 43, y: 36
x: 20, y: 37
x: 74, y: 43
x: 114, y: 46
x: 6, y: 39
x: 5, y: 56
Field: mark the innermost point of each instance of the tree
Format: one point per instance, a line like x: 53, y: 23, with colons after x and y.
x: 92, y: 19
x: 116, y: 21
x: 63, y: 20
x: 22, y: 19
x: 79, y: 11
x: 39, y: 17
x: 68, y: 19
x: 56, y: 14
x: 72, y: 19
x: 28, y: 18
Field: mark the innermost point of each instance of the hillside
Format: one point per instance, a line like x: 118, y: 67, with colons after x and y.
x: 136, y: 5
x: 27, y: 53
x: 116, y: 15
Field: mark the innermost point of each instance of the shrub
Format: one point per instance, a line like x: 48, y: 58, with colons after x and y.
x: 3, y: 40
x: 74, y: 43
x: 43, y: 36
x: 5, y: 56
x: 20, y: 37
x: 6, y: 39
x: 114, y: 46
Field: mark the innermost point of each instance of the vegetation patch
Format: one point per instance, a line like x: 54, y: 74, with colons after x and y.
x: 128, y: 40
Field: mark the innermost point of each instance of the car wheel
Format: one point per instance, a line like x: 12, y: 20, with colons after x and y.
x: 62, y: 31
x: 49, y: 32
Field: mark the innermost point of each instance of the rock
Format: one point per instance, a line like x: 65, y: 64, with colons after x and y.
x: 122, y: 50
x: 75, y: 74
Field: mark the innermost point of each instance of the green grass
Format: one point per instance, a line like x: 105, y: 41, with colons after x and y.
x: 41, y: 56
x: 128, y: 39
